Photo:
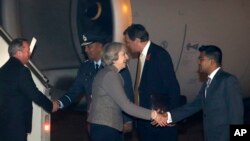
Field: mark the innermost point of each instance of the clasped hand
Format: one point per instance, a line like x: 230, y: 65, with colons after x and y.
x: 159, y: 118
x: 56, y: 106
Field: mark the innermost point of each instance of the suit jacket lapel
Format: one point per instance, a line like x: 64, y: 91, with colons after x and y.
x: 146, y: 64
x: 214, y: 83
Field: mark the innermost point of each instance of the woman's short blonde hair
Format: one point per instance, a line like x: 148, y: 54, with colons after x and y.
x: 110, y: 52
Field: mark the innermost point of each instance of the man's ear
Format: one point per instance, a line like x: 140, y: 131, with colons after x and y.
x: 213, y: 62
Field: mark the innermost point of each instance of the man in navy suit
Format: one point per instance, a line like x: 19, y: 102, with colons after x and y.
x: 17, y: 91
x: 93, y: 45
x: 156, y: 85
x: 220, y: 98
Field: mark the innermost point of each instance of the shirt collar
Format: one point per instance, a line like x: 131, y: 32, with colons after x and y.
x: 211, y: 76
x: 98, y: 62
x: 145, y: 49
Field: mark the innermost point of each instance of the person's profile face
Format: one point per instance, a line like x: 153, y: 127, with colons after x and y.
x: 130, y: 44
x: 204, y: 63
x: 25, y: 53
x: 122, y: 60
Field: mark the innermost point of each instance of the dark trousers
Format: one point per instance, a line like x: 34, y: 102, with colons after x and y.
x: 147, y: 132
x: 15, y: 132
x: 13, y: 137
x: 104, y: 133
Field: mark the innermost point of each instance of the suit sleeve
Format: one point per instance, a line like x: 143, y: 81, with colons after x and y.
x: 189, y: 109
x: 75, y: 90
x: 235, y: 102
x: 117, y: 93
x: 169, y: 79
x: 28, y: 87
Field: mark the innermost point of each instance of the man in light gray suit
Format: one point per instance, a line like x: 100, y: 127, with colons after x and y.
x: 220, y: 98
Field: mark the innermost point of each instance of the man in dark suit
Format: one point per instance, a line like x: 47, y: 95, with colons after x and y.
x: 156, y: 85
x: 17, y: 91
x: 220, y: 98
x: 93, y: 45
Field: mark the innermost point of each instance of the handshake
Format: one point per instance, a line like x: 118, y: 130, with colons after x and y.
x: 56, y: 106
x: 159, y: 118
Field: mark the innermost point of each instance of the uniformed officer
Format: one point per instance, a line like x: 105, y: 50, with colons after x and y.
x: 93, y: 45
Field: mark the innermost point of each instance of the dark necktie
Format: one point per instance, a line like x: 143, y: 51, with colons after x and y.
x: 96, y: 67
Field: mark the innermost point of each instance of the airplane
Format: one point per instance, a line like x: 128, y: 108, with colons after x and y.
x: 64, y: 34
x: 180, y: 27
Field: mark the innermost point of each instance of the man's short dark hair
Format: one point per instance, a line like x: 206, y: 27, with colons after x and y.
x: 137, y: 31
x: 213, y: 52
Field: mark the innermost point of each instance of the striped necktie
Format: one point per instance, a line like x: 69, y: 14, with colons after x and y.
x: 207, y: 85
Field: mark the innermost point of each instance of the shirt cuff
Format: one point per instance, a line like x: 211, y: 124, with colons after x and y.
x: 169, y: 118
x: 128, y: 122
x: 60, y: 104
